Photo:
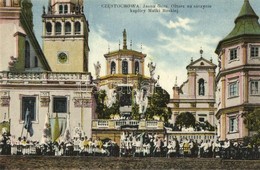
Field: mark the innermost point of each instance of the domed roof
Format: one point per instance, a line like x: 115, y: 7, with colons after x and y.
x: 246, y: 24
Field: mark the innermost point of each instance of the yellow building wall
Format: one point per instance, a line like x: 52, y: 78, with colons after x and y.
x: 73, y: 49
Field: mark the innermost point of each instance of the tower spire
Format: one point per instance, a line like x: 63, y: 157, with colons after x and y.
x: 124, y: 39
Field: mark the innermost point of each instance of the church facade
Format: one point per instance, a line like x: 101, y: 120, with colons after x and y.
x: 197, y: 94
x: 54, y: 81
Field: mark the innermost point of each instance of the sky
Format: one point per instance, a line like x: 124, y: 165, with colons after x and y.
x: 170, y: 39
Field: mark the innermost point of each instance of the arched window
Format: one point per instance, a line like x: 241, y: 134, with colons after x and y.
x: 77, y: 27
x: 60, y: 9
x: 67, y: 28
x: 137, y: 67
x: 48, y: 28
x: 65, y: 9
x: 27, y: 55
x: 201, y: 87
x: 58, y: 28
x: 125, y: 67
x: 113, y: 68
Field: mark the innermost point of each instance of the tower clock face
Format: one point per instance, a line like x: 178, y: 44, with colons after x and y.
x: 62, y: 57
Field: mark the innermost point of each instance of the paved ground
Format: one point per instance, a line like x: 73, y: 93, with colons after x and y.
x: 44, y: 162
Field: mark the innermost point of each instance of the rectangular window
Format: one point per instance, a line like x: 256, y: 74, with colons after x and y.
x: 233, y: 124
x: 60, y: 105
x: 233, y: 89
x: 201, y: 119
x: 254, y: 87
x: 29, y: 105
x: 233, y: 54
x: 254, y: 51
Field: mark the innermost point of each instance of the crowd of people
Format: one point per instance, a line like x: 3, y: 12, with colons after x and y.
x: 131, y: 144
x: 82, y: 146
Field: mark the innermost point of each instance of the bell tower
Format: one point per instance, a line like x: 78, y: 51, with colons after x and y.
x: 65, y: 36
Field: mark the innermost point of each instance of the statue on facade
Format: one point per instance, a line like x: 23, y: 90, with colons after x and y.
x: 111, y: 97
x: 97, y: 69
x: 141, y: 100
x: 151, y: 67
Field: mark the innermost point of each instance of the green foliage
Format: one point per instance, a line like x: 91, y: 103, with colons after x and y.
x: 204, y: 126
x: 185, y: 119
x: 102, y: 110
x: 135, y: 111
x: 252, y: 122
x: 158, y: 105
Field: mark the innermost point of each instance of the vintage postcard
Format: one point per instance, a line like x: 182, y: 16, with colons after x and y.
x: 138, y: 84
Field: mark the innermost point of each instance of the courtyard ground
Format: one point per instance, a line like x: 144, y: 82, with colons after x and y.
x: 51, y: 162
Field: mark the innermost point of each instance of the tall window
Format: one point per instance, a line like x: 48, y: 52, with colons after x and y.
x: 29, y: 105
x: 27, y: 54
x: 233, y: 89
x: 233, y: 124
x: 254, y: 51
x: 254, y: 87
x: 60, y: 105
x: 48, y: 28
x: 67, y: 28
x: 65, y: 9
x: 60, y: 9
x: 137, y: 67
x: 233, y: 54
x: 58, y: 28
x: 77, y: 27
x: 201, y: 87
x: 125, y: 67
x: 113, y: 68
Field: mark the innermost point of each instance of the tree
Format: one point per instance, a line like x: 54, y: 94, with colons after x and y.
x: 252, y: 122
x: 185, y: 119
x: 102, y: 110
x: 158, y: 105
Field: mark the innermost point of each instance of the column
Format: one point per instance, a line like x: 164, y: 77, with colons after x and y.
x: 223, y: 92
x: 72, y: 26
x: 43, y: 27
x: 244, y: 48
x: 53, y: 28
x: 62, y: 27
x: 223, y: 126
x: 119, y: 66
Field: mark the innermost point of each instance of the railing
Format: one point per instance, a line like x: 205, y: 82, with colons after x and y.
x: 119, y: 123
x: 151, y: 124
x: 44, y: 76
x: 116, y: 124
x: 102, y: 124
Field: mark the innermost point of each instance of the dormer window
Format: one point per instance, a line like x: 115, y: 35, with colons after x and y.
x: 233, y: 54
